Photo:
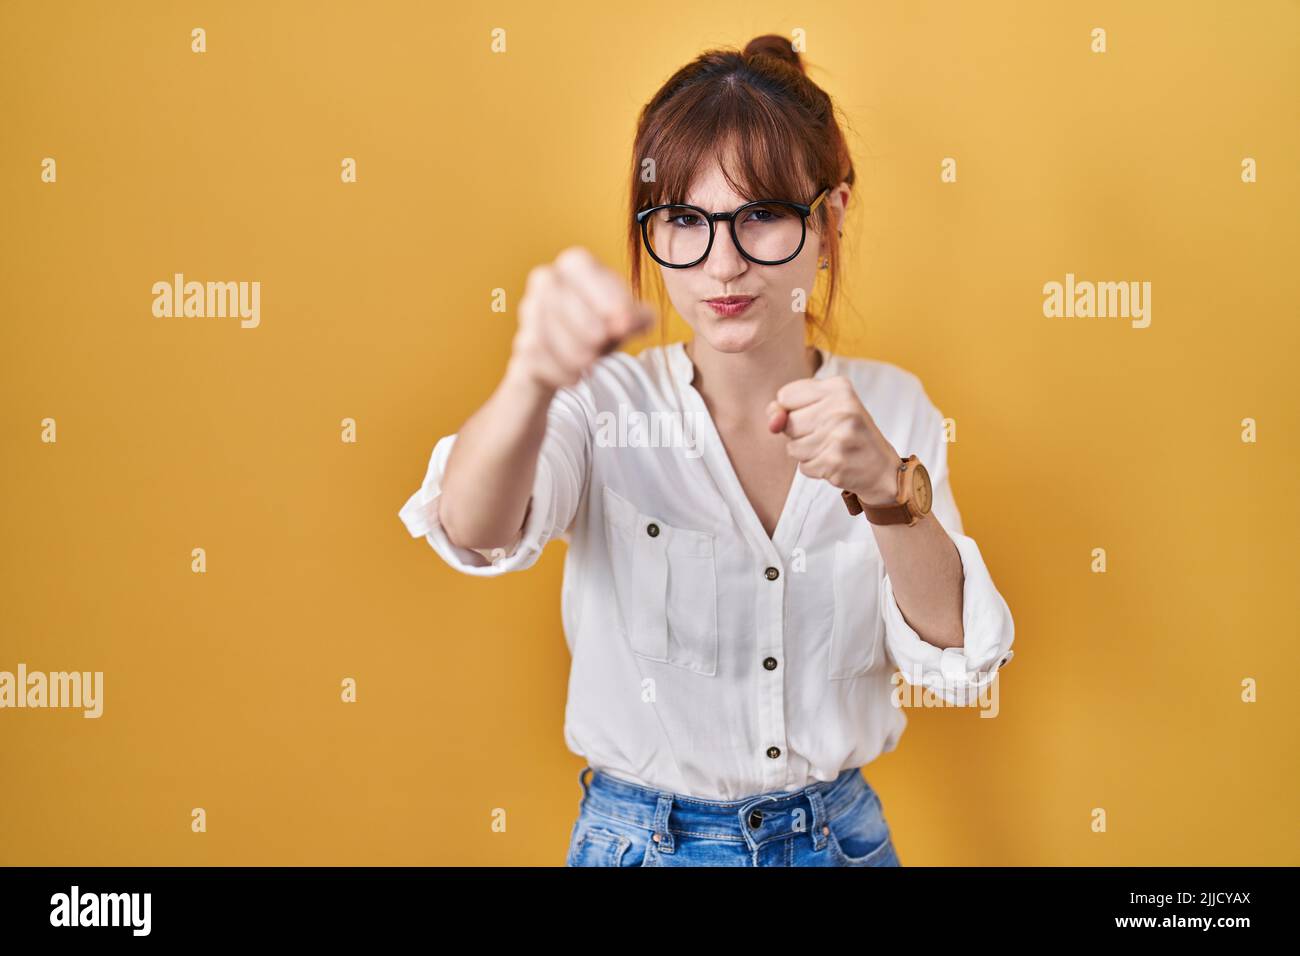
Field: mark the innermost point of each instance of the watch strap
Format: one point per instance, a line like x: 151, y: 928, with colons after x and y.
x: 898, y: 513
x: 889, y: 514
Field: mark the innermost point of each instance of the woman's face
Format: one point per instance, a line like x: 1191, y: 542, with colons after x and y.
x: 776, y: 305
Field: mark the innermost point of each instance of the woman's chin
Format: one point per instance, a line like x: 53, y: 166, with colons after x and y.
x: 728, y: 335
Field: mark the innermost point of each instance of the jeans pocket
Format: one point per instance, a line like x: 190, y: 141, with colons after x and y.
x: 600, y: 841
x: 859, y: 835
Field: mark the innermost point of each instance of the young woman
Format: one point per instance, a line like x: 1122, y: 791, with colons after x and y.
x: 760, y: 530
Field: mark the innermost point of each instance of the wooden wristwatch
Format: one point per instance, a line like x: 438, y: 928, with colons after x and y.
x: 911, y: 504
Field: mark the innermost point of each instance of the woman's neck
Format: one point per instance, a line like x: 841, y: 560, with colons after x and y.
x: 737, y: 386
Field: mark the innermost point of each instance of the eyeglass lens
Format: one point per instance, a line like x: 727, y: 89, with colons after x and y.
x: 678, y: 235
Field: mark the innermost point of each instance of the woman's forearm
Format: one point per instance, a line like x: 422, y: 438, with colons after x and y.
x: 572, y: 312
x: 926, y: 571
x: 490, y: 472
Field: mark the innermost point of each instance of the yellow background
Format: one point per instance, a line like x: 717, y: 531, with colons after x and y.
x: 222, y: 689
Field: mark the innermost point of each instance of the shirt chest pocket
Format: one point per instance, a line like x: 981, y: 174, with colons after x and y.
x: 858, y: 632
x: 665, y: 582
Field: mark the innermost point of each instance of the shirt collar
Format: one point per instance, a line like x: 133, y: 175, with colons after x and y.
x: 684, y: 370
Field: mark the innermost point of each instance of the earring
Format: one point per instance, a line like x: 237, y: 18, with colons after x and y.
x: 823, y: 263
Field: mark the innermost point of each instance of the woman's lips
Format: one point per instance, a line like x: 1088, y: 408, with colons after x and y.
x: 731, y: 305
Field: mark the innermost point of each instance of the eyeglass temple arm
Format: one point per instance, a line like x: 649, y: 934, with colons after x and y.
x: 818, y: 201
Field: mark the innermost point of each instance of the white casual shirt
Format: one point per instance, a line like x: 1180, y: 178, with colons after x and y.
x: 707, y: 659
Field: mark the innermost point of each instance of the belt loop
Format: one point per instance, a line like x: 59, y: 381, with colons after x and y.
x: 665, y: 836
x: 818, y: 816
x: 581, y: 774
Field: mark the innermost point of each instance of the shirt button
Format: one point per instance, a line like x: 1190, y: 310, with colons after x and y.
x: 774, y: 752
x: 769, y: 663
x: 652, y: 529
x: 772, y: 574
x: 755, y: 819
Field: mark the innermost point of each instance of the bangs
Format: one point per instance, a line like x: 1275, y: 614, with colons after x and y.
x: 758, y: 162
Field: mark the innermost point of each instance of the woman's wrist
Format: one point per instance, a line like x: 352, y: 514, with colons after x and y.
x: 523, y: 386
x: 883, y: 492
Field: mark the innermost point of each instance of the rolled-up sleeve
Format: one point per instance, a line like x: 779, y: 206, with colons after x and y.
x: 958, y: 674
x: 563, y: 468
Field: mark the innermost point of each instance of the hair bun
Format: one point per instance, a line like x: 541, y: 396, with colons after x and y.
x: 777, y: 46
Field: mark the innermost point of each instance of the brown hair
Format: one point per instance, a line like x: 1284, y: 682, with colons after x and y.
x: 760, y: 106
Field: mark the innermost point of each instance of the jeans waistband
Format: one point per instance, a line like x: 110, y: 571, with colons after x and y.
x: 753, y: 819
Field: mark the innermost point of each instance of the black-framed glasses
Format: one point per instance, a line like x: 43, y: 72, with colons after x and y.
x: 766, y: 231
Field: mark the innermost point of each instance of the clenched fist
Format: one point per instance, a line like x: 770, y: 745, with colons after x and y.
x: 834, y: 437
x: 574, y: 310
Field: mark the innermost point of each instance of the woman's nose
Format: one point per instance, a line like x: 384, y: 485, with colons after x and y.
x: 724, y: 260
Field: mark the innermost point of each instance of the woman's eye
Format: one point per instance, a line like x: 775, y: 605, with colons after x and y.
x: 678, y: 220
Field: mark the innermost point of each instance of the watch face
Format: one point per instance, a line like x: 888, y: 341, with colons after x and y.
x: 921, y: 490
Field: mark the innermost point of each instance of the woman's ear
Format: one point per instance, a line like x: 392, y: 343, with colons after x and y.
x: 839, y: 201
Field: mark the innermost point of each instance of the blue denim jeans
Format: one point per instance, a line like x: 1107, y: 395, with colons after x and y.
x: 831, y: 823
